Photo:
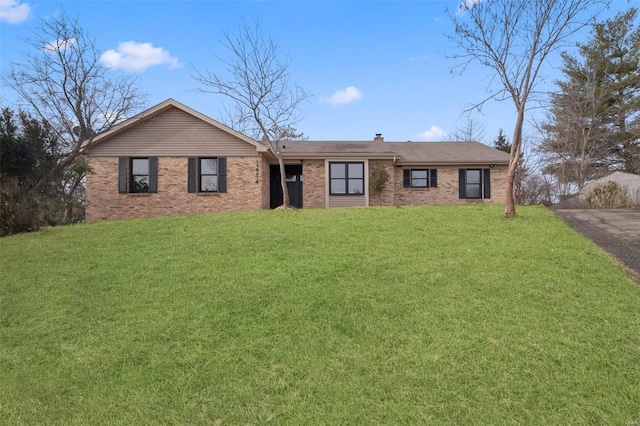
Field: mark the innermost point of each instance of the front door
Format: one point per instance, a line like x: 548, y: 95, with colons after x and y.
x: 294, y: 185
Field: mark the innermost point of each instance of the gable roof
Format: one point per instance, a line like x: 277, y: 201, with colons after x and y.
x: 402, y: 152
x: 630, y: 180
x: 163, y: 107
x: 407, y: 153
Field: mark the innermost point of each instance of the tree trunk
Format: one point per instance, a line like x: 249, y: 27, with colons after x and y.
x: 283, y: 182
x: 514, y: 159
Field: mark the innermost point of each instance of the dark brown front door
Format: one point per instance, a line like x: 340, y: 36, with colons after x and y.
x: 294, y: 185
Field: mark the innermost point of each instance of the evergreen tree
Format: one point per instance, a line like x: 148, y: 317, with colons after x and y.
x: 501, y: 142
x: 28, y: 153
x: 74, y: 96
x: 594, y: 121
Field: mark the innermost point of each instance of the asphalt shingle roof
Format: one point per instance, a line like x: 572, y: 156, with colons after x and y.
x: 405, y: 152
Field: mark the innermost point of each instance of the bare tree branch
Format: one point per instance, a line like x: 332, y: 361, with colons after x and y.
x: 513, y: 38
x: 62, y: 81
x: 257, y: 80
x: 470, y: 131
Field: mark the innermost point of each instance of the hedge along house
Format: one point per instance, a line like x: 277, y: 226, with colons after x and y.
x: 172, y: 160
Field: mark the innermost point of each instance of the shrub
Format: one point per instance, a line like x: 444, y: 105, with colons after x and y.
x: 610, y: 195
x: 378, y: 180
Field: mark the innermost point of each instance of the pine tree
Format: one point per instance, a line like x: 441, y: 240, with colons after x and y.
x: 594, y: 122
x: 501, y: 142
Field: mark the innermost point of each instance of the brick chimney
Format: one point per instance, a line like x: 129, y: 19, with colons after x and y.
x: 378, y: 138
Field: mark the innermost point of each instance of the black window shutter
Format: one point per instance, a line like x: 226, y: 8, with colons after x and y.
x: 462, y: 183
x: 433, y: 178
x: 122, y: 174
x: 487, y: 183
x: 153, y: 174
x: 406, y: 181
x: 222, y: 174
x: 191, y: 175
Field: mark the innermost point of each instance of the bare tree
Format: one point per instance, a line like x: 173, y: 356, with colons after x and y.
x: 470, y: 131
x: 266, y: 103
x: 532, y: 186
x: 63, y: 84
x: 576, y: 144
x: 62, y: 81
x: 514, y: 38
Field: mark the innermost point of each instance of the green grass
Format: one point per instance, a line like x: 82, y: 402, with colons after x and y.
x: 439, y: 315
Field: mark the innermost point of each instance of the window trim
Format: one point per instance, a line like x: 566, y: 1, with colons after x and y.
x: 132, y: 176
x: 125, y: 175
x: 477, y: 184
x: 201, y: 175
x: 484, y: 184
x: 346, y: 179
x: 412, y: 178
x: 194, y: 177
x: 432, y: 178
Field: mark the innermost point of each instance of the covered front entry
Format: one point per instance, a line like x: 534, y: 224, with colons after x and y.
x: 294, y: 185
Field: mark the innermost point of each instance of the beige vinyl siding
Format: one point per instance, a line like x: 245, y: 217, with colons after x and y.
x: 347, y: 200
x: 174, y: 133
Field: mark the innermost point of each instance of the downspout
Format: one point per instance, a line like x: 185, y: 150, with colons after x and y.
x: 395, y: 200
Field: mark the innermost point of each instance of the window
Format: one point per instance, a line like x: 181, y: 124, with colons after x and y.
x: 207, y: 175
x: 420, y: 178
x: 475, y: 183
x: 138, y: 175
x: 346, y: 178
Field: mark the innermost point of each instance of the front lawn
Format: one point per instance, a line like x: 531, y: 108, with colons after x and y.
x: 439, y: 315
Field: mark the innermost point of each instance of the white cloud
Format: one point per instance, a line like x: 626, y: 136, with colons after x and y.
x: 61, y: 44
x: 14, y: 12
x: 466, y: 5
x: 419, y: 58
x: 434, y: 133
x: 344, y: 96
x: 134, y: 56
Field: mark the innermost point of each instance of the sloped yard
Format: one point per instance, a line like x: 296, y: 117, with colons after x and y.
x: 439, y: 315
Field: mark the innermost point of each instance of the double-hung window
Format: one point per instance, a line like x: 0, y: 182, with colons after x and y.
x: 475, y: 183
x: 207, y: 174
x: 138, y: 175
x: 346, y: 178
x: 420, y: 178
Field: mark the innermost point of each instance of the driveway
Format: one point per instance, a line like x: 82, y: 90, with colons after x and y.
x: 616, y: 231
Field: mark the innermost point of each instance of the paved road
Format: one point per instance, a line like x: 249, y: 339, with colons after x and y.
x: 616, y: 231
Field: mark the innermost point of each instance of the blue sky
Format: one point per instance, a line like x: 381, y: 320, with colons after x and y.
x: 373, y: 67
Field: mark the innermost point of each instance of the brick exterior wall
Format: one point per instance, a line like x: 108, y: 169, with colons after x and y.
x: 447, y: 191
x: 313, y: 185
x: 387, y: 196
x: 265, y: 183
x: 394, y: 194
x: 247, y: 189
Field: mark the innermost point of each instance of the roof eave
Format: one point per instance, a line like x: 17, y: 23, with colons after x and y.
x: 329, y: 155
x: 453, y: 163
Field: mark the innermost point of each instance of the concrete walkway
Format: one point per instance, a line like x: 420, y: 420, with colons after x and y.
x: 616, y: 231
